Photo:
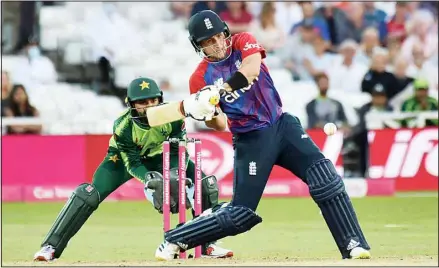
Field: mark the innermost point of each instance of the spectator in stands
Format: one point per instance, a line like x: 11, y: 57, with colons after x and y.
x: 378, y: 103
x: 217, y: 6
x: 358, y: 135
x: 377, y: 74
x: 318, y: 22
x: 394, y: 48
x: 369, y: 43
x: 20, y: 107
x: 401, y: 74
x: 297, y: 45
x: 347, y: 73
x: 422, y: 68
x: 376, y: 18
x: 6, y: 91
x: 403, y: 83
x: 420, y: 33
x: 40, y: 67
x: 287, y: 13
x: 372, y: 14
x: 317, y: 61
x: 336, y: 20
x: 396, y: 25
x: 420, y: 102
x: 237, y: 17
x: 265, y: 29
x: 342, y: 5
x: 413, y: 7
x: 323, y: 109
x: 357, y: 23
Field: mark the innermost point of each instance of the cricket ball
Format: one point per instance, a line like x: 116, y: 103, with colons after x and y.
x: 330, y: 129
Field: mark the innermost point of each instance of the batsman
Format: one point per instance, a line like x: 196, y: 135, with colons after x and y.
x: 263, y: 137
x: 135, y: 151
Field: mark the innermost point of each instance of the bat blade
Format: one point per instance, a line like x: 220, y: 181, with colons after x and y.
x: 164, y: 114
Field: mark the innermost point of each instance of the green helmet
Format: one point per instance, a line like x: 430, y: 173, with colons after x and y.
x: 420, y: 83
x: 143, y: 88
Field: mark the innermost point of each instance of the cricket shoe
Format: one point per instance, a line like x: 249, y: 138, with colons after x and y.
x: 167, y: 251
x: 360, y: 253
x: 215, y: 251
x: 46, y: 253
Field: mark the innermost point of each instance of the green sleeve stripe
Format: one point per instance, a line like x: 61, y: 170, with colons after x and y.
x: 120, y: 126
x: 125, y: 160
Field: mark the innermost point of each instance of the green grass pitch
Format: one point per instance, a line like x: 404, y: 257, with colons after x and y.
x: 401, y: 231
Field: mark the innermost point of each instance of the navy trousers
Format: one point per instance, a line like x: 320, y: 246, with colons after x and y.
x: 285, y: 144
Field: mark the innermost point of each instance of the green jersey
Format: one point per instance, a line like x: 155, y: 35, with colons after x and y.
x: 136, y: 144
x: 413, y: 105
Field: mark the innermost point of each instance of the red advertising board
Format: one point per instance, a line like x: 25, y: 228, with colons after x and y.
x: 409, y: 156
x: 42, y: 160
x: 41, y: 167
x: 49, y: 167
x: 217, y: 152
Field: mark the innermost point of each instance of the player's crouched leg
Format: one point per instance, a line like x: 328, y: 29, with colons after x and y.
x: 209, y: 204
x: 84, y: 200
x: 228, y: 220
x: 328, y: 191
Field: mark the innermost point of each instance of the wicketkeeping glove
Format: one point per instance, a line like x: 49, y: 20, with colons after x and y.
x: 154, y: 181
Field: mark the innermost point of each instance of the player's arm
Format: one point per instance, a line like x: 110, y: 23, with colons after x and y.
x: 249, y: 72
x: 130, y: 153
x: 218, y: 121
x: 252, y: 55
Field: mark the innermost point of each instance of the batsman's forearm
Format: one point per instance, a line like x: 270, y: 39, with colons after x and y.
x: 251, y: 67
x: 218, y: 123
x: 164, y: 114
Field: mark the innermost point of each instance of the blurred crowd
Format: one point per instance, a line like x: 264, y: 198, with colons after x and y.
x: 350, y: 46
x: 386, y: 49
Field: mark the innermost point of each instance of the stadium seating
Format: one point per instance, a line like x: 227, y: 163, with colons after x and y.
x: 165, y: 52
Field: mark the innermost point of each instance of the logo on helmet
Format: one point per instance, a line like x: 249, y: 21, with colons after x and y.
x: 208, y: 23
x: 143, y: 85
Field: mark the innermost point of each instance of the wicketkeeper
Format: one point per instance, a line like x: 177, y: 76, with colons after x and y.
x: 135, y: 151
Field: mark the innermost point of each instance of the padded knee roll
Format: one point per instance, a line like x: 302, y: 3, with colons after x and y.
x: 327, y: 189
x: 81, y: 204
x: 226, y: 221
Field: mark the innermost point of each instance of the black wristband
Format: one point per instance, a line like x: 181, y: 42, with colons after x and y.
x: 237, y: 81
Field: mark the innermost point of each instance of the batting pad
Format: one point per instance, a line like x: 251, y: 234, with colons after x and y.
x: 226, y: 221
x: 327, y: 189
x: 81, y: 204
